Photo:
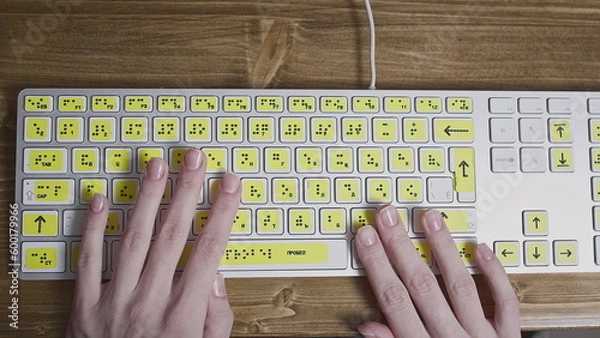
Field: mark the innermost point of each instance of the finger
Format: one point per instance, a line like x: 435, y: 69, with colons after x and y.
x: 506, y: 310
x: 416, y: 275
x: 175, y: 228
x: 219, y: 316
x: 375, y: 330
x: 459, y: 283
x: 209, y: 246
x: 392, y: 296
x: 89, y: 262
x: 138, y: 232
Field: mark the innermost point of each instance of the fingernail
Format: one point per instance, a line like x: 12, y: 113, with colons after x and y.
x: 366, y: 334
x: 389, y: 216
x: 193, y: 159
x: 155, y: 169
x: 230, y: 183
x: 366, y: 235
x: 433, y: 220
x: 485, y: 252
x: 97, y: 202
x: 218, y: 288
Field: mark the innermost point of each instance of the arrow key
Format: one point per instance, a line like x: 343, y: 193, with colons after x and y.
x: 536, y: 253
x: 535, y: 223
x: 40, y: 223
x: 561, y: 160
x: 566, y: 253
x: 507, y: 252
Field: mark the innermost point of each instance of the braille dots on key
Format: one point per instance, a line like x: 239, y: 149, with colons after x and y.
x: 334, y: 104
x: 271, y: 102
x: 44, y: 160
x: 43, y: 258
x: 66, y: 129
x: 123, y: 192
x: 293, y: 129
x: 230, y: 128
x: 371, y: 161
x: 199, y: 102
x: 410, y: 189
x: 354, y: 129
x: 323, y: 129
x: 38, y: 130
x: 134, y: 128
x: 39, y: 103
x: 99, y: 131
x: 166, y: 128
x: 173, y: 101
x: 432, y: 161
x: 309, y: 160
x: 301, y: 103
x: 84, y: 160
x: 260, y: 129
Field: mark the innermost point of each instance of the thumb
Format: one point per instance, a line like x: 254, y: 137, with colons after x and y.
x: 375, y: 330
x: 219, y: 316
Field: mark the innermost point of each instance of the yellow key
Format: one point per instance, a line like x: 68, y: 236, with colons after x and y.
x: 314, y: 253
x: 285, y: 190
x: 38, y: 103
x: 457, y: 220
x: 360, y: 217
x: 301, y: 104
x: 429, y: 104
x: 41, y: 258
x: 333, y: 221
x: 90, y: 187
x: 323, y: 130
x: 254, y: 191
x: 72, y: 104
x: 217, y: 160
x: 403, y: 215
x: 595, y: 159
x: 102, y: 129
x: 367, y: 104
x: 354, y: 129
x: 213, y: 184
x: 144, y: 156
x: 198, y: 129
x: 199, y: 221
x: 105, y: 104
x: 334, y: 104
x: 596, y: 189
x: 237, y: 104
x: 301, y: 221
x: 166, y: 196
x: 347, y: 190
x: 454, y: 130
x: 124, y: 191
x: 535, y: 223
x: 241, y: 223
x: 262, y: 129
x: 464, y: 173
x: 379, y: 190
x: 114, y: 223
x: 466, y: 251
x: 410, y: 190
x: 40, y: 223
x: 138, y: 104
x: 230, y: 129
x: 424, y: 250
x: 340, y: 160
x: 205, y: 104
x: 278, y: 160
x: 269, y: 221
x: 560, y: 131
x: 402, y: 160
x: 431, y: 160
x: 459, y: 105
x: 292, y: 130
x: 69, y: 129
x: 166, y: 129
x: 415, y: 130
x: 38, y: 129
x: 370, y: 160
x: 396, y: 104
x: 171, y: 104
x: 246, y: 160
x: 562, y: 160
x: 309, y: 160
x: 536, y: 253
x: 85, y: 160
x: 595, y: 131
x: 566, y: 253
x: 317, y: 190
x: 185, y: 256
x: 269, y: 104
x: 508, y: 253
x: 36, y: 192
x: 118, y: 160
x: 134, y: 129
x: 45, y: 160
x: 176, y: 157
x: 385, y: 130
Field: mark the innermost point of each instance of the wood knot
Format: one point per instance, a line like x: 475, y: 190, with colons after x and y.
x: 284, y: 298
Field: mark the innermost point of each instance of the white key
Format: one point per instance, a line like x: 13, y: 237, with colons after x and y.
x: 439, y: 190
x: 504, y: 160
x: 502, y: 105
x: 597, y: 240
x: 532, y: 130
x: 531, y: 105
x: 503, y: 130
x: 73, y: 221
x: 594, y: 106
x: 558, y: 105
x: 533, y: 160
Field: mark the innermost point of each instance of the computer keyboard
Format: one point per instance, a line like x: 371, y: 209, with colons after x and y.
x: 517, y: 170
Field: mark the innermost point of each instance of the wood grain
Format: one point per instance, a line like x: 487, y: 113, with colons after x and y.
x: 431, y: 44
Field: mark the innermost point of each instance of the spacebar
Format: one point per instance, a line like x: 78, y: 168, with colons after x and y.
x: 285, y: 255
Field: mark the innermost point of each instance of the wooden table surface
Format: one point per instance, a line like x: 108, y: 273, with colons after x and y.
x: 427, y: 44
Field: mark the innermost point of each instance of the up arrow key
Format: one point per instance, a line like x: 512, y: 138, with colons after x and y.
x: 462, y: 164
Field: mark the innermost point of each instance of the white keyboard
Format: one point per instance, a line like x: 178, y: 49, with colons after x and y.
x: 517, y: 170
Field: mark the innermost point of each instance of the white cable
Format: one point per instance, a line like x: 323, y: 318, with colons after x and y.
x: 372, y: 30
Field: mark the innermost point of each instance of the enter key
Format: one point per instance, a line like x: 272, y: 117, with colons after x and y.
x: 462, y: 164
